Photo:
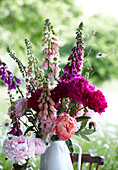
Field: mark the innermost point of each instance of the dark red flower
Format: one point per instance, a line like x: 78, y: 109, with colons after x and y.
x: 32, y: 102
x: 61, y: 91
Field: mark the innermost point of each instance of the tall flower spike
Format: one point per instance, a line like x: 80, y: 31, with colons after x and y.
x: 33, y: 71
x: 51, y: 54
x: 74, y: 65
x: 8, y: 78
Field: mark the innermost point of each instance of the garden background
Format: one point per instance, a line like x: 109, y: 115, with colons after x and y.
x: 25, y: 19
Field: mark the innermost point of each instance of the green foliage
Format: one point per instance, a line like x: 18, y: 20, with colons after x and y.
x: 104, y: 41
x: 25, y: 19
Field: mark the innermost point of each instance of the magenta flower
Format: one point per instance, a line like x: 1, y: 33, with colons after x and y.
x: 78, y: 89
x: 97, y: 101
x: 7, y: 77
x: 74, y: 67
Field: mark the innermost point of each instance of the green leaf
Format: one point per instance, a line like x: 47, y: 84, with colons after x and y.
x: 81, y: 118
x: 88, y: 131
x: 84, y: 136
x: 70, y: 145
x: 83, y: 125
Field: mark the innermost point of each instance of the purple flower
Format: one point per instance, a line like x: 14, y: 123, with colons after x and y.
x: 18, y: 80
x: 16, y: 129
x: 11, y: 86
x: 3, y: 77
x: 70, y: 57
x: 4, y: 65
x: 0, y: 62
x: 6, y: 81
x: 10, y: 75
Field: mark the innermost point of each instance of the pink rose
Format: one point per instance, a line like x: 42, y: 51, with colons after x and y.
x: 65, y: 126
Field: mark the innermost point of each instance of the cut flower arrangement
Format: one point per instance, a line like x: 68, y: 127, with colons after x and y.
x: 55, y: 106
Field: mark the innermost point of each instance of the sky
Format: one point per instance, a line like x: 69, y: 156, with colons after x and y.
x: 106, y: 7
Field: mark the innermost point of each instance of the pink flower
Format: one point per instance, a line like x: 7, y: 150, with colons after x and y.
x: 19, y: 149
x: 65, y: 126
x: 20, y: 107
x: 40, y: 146
x: 44, y: 65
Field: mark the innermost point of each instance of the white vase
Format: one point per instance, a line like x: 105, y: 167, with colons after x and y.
x: 56, y: 157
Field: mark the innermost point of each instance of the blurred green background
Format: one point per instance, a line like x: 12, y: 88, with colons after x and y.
x: 25, y: 19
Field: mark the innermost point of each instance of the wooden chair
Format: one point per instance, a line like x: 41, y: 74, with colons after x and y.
x: 88, y: 158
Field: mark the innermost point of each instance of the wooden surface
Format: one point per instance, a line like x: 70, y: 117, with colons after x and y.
x: 88, y: 158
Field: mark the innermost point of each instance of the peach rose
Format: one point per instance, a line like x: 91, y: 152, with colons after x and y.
x: 65, y: 126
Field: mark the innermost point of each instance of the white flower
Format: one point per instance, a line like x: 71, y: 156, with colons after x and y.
x: 10, y: 136
x: 86, y: 35
x: 55, y: 58
x: 27, y: 80
x: 52, y: 84
x: 6, y: 124
x: 100, y: 55
x: 30, y: 134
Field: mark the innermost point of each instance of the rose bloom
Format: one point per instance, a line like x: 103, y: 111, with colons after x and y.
x: 65, y: 126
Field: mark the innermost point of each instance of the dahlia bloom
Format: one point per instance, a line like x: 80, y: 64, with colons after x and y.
x: 65, y: 126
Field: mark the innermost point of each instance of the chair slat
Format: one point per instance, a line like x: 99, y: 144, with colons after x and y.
x: 88, y: 158
x: 90, y: 167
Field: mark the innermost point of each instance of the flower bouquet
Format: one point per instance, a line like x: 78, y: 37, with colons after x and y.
x: 58, y: 103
